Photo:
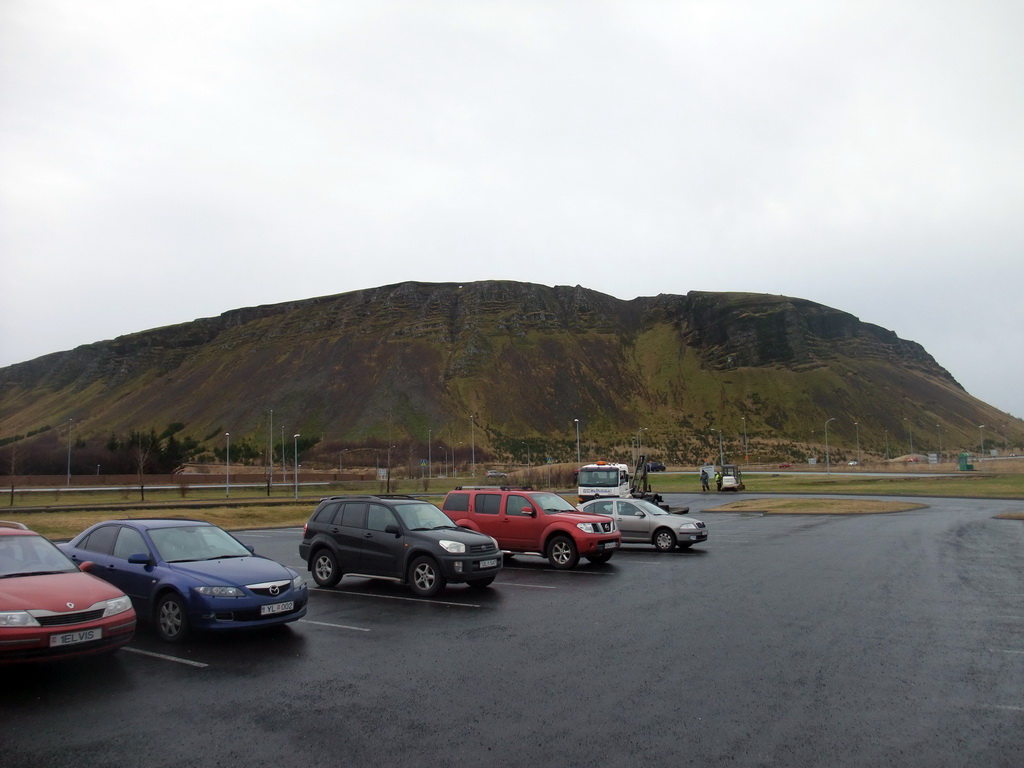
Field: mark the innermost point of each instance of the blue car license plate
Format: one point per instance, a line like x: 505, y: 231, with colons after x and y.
x: 270, y: 610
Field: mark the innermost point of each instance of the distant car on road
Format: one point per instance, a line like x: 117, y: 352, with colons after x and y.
x: 49, y: 608
x: 641, y: 522
x: 190, y: 574
x: 655, y: 466
x: 494, y: 473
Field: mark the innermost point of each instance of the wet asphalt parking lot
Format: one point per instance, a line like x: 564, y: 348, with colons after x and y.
x: 885, y: 640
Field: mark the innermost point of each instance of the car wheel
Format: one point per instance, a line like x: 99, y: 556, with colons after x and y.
x: 602, y: 558
x: 481, y: 583
x: 425, y: 578
x: 171, y: 618
x: 562, y: 553
x: 664, y: 540
x: 325, y: 568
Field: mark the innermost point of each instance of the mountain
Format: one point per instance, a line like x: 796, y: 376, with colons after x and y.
x: 401, y: 364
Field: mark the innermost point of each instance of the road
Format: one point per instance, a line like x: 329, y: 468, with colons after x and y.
x: 892, y: 640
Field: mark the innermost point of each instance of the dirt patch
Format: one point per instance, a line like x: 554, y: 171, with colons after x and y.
x: 1010, y: 516
x: 798, y: 506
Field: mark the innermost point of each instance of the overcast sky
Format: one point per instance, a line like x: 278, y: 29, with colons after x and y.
x: 165, y: 161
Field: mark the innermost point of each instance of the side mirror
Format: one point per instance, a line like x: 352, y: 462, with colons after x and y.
x: 138, y: 559
x: 251, y: 548
x: 392, y: 528
x: 533, y: 512
x: 641, y: 513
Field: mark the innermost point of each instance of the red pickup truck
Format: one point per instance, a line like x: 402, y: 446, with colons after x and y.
x: 534, y: 522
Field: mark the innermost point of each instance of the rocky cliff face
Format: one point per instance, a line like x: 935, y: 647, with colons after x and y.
x: 401, y: 360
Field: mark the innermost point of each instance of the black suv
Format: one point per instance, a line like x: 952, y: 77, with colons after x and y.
x: 398, y: 538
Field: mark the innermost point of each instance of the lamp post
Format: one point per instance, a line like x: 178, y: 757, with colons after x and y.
x: 981, y: 433
x: 721, y: 449
x: 886, y: 444
x: 857, y: 427
x: 443, y: 448
x: 828, y: 463
x: 578, y: 462
x: 910, y: 430
x: 938, y: 429
x: 746, y: 450
x: 430, y: 462
x: 472, y: 434
x: 69, y: 452
x: 284, y: 459
x: 270, y: 453
x: 639, y: 443
x: 295, y: 469
x: 227, y: 470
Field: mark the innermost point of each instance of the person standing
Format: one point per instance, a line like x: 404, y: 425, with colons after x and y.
x: 704, y: 480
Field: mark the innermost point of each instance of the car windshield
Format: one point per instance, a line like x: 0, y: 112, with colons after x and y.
x: 421, y: 516
x: 648, y: 507
x: 31, y: 556
x: 187, y: 543
x: 552, y: 503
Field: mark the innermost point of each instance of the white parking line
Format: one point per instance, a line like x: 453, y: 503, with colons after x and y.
x: 556, y: 570
x: 1005, y: 650
x: 531, y: 586
x: 394, y: 597
x: 335, y: 626
x: 1008, y: 707
x: 165, y: 657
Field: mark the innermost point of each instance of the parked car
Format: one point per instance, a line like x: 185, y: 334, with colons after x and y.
x: 50, y: 608
x: 641, y: 522
x: 398, y: 538
x: 534, y: 522
x: 190, y: 575
x: 494, y: 473
x: 655, y: 466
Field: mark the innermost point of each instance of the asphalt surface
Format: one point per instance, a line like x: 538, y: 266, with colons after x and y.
x: 883, y: 640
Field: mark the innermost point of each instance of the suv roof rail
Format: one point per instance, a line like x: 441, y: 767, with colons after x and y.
x: 494, y: 488
x: 368, y: 496
x: 10, y: 524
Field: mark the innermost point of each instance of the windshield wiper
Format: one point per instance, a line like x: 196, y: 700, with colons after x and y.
x: 32, y: 573
x: 445, y: 528
x: 224, y: 557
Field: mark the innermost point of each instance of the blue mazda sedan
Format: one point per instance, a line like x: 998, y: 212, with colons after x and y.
x: 190, y: 575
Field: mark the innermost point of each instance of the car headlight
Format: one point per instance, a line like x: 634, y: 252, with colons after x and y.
x: 587, y: 527
x: 117, y: 605
x: 220, y: 591
x: 17, y: 619
x: 298, y: 583
x: 688, y: 527
x: 455, y: 547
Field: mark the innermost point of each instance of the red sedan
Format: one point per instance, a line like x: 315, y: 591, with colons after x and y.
x: 49, y: 608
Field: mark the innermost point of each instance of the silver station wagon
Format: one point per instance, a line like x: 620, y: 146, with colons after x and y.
x: 641, y: 522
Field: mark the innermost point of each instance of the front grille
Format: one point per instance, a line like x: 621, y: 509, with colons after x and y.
x: 272, y: 589
x: 607, y: 527
x: 482, y: 549
x: 63, y: 619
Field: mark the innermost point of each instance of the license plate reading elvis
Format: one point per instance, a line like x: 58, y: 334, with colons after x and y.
x: 269, y: 610
x: 72, y: 638
x: 489, y: 563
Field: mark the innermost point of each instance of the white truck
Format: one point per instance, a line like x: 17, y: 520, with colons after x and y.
x: 602, y: 479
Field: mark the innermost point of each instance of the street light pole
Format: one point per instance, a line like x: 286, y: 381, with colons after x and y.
x: 639, y: 443
x: 828, y: 463
x: 746, y: 450
x: 857, y: 426
x: 270, y: 452
x: 981, y: 433
x: 579, y: 463
x: 295, y: 469
x: 69, y: 452
x: 227, y: 472
x: 430, y: 462
x: 910, y: 430
x: 472, y: 433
